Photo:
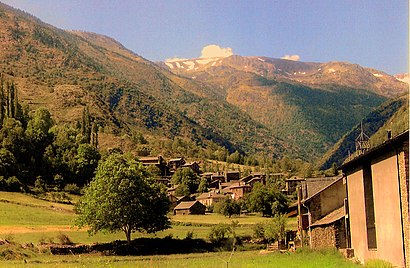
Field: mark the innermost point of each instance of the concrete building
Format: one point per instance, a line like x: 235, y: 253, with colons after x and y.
x: 378, y: 202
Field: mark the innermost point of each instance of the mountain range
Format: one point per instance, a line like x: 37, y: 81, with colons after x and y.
x: 249, y: 104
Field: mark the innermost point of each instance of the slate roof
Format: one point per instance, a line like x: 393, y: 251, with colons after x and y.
x: 185, y: 205
x: 333, y: 216
x: 312, y: 186
x: 210, y: 195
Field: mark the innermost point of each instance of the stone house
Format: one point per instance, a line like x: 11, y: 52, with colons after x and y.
x: 210, y: 198
x: 292, y: 183
x: 157, y: 161
x: 232, y: 176
x: 174, y: 164
x: 190, y: 208
x: 194, y: 166
x: 330, y: 231
x: 378, y: 202
x: 323, y: 216
x: 237, y: 190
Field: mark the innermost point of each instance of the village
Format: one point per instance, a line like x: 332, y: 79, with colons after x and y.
x: 363, y: 212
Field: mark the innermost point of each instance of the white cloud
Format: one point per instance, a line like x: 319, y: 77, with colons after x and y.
x: 291, y: 57
x: 174, y: 59
x: 213, y: 51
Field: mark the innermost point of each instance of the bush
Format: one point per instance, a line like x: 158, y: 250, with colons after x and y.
x: 60, y: 197
x: 11, y: 184
x: 259, y: 231
x: 219, y: 233
x: 64, y: 239
x: 228, y: 207
x: 72, y: 189
x: 189, y: 235
x: 40, y: 186
x: 275, y: 229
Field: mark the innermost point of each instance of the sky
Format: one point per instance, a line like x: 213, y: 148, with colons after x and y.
x: 372, y: 33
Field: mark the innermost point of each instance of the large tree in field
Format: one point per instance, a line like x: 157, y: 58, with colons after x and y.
x: 267, y: 200
x: 122, y: 196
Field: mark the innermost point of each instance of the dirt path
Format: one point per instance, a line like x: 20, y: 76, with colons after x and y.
x: 39, y: 229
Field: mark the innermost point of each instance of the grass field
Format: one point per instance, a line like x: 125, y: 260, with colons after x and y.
x: 219, y: 259
x: 25, y: 219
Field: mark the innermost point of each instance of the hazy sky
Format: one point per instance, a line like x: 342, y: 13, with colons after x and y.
x: 372, y: 33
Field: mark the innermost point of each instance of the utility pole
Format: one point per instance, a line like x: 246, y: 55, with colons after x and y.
x: 300, y: 218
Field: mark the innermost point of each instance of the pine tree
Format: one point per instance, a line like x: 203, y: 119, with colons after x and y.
x: 94, y: 135
x: 86, y: 125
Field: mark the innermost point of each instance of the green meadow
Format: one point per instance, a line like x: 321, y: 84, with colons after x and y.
x: 26, y: 219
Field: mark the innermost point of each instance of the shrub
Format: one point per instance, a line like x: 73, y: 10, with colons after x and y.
x: 258, y: 231
x: 64, y: 239
x: 72, y: 189
x: 275, y: 229
x: 40, y: 186
x: 219, y: 233
x: 189, y: 235
x: 13, y: 184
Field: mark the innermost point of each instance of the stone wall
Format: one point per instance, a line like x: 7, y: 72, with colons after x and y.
x: 323, y: 237
x: 403, y: 159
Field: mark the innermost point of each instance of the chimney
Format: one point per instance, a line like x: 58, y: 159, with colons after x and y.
x: 389, y: 134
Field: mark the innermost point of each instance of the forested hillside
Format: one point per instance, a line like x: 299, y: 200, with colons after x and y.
x: 393, y: 115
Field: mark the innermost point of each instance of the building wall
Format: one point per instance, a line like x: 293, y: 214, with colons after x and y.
x: 357, y: 215
x: 198, y: 208
x: 387, y: 212
x: 181, y: 211
x: 333, y: 197
x: 327, y: 201
x: 387, y: 209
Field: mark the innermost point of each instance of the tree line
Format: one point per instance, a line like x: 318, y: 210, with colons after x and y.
x: 34, y: 149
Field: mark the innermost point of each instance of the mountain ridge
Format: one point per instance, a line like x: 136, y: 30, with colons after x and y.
x: 249, y: 111
x: 127, y: 91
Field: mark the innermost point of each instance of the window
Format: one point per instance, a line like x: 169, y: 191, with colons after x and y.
x: 369, y: 207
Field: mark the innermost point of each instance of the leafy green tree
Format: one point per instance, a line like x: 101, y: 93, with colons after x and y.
x: 266, y: 200
x: 7, y: 162
x: 228, y: 207
x: 275, y: 229
x: 186, y: 177
x: 39, y: 137
x: 219, y: 232
x: 122, y: 196
x: 235, y: 157
x: 12, y: 138
x: 86, y: 162
x: 203, y: 186
x: 86, y: 128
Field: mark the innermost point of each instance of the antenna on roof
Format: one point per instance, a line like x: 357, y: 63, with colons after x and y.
x: 362, y: 141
